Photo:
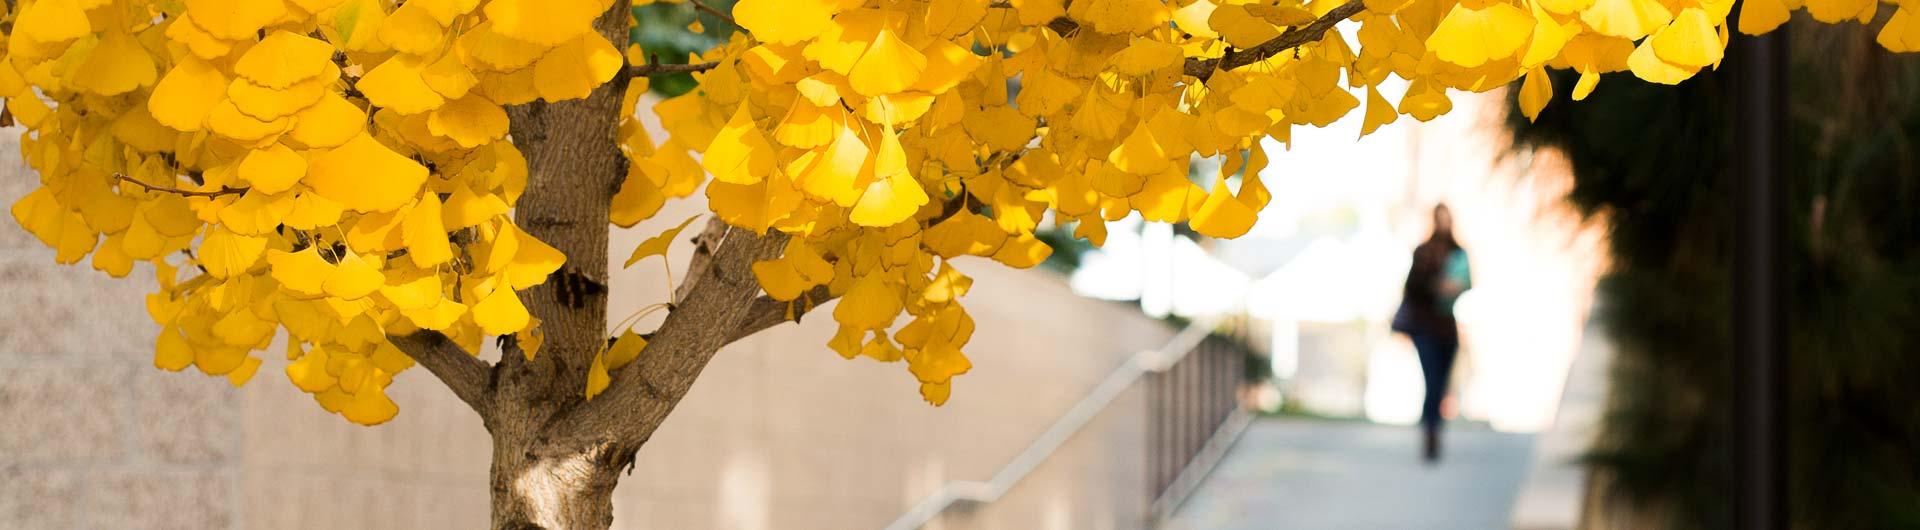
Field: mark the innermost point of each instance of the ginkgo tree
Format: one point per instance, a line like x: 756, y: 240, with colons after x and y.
x: 387, y: 183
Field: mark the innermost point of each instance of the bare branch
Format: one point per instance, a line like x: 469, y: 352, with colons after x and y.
x: 1292, y: 38
x: 703, y: 247
x: 642, y: 394
x: 1204, y: 68
x: 722, y: 15
x: 465, y: 374
x: 224, y: 190
x: 766, y: 312
x: 651, y: 69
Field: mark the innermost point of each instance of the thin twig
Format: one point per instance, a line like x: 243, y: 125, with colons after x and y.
x: 1292, y: 38
x: 650, y: 69
x: 1204, y: 68
x: 722, y: 15
x: 224, y: 190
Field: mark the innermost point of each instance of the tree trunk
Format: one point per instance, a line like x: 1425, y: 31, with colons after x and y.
x: 536, y: 489
x: 574, y: 166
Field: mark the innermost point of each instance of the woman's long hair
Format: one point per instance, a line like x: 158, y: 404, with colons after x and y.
x: 1431, y: 256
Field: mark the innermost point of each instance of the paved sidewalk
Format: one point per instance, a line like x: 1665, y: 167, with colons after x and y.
x: 1313, y: 475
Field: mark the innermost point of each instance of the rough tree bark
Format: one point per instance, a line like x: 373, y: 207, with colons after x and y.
x: 574, y: 166
x: 556, y: 456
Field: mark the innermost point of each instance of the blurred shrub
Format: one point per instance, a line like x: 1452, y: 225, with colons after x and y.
x: 1651, y: 163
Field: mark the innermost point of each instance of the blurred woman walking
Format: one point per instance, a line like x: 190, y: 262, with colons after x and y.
x: 1439, y: 274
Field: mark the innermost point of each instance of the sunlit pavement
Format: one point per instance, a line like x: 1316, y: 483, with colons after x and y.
x: 1309, y: 474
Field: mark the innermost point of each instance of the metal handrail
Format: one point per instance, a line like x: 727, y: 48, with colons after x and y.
x: 1056, y: 435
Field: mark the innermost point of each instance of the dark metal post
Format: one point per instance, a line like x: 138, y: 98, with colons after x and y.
x: 1760, y: 345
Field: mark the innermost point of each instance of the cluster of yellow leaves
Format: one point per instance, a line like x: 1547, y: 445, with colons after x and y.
x: 888, y: 136
x: 332, y: 167
x: 339, y: 168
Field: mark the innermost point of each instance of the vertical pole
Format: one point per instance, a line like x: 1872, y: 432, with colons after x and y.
x: 1760, y: 349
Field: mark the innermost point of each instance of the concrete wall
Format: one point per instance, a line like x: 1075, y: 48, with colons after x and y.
x: 778, y: 433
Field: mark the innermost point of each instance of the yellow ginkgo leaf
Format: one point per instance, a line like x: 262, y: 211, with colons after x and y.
x: 1145, y: 56
x: 779, y: 279
x: 625, y: 349
x: 1471, y: 37
x: 365, y: 176
x: 330, y: 122
x: 533, y: 260
x: 638, y: 199
x: 1762, y: 16
x: 370, y: 406
x: 311, y: 211
x: 1379, y: 112
x: 573, y: 69
x: 1646, y: 64
x: 234, y: 19
x: 597, y: 378
x: 274, y: 169
x: 1140, y: 153
x: 397, y: 84
x: 893, y: 196
x: 740, y: 153
x: 424, y: 235
x: 658, y: 244
x: 1535, y: 92
x: 256, y: 213
x: 115, y: 66
x: 500, y: 313
x: 1224, y: 217
x: 301, y: 273
x: 53, y: 21
x: 449, y: 76
x: 264, y: 103
x: 870, y: 304
x: 284, y: 58
x: 464, y: 208
x: 439, y: 316
x: 1628, y: 19
x: 355, y: 277
x: 185, y: 96
x: 412, y: 28
x: 171, y: 351
x: 834, y: 174
x: 784, y: 21
x: 471, y: 121
x: 1691, y: 41
x: 937, y: 363
x: 543, y: 22
x: 309, y: 371
x: 1025, y: 251
x: 225, y: 254
x: 889, y: 65
x: 419, y: 292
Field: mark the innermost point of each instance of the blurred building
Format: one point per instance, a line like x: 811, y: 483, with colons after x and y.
x: 1323, y: 268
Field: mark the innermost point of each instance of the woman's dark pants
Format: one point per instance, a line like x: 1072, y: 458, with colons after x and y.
x: 1436, y: 363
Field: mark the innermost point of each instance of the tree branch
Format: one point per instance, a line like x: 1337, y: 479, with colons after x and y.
x: 722, y: 15
x: 224, y: 190
x: 1292, y: 38
x: 703, y: 247
x: 642, y: 394
x: 1204, y: 68
x: 465, y: 374
x: 766, y: 312
x: 651, y: 69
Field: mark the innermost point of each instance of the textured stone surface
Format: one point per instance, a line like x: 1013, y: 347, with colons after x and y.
x: 184, y: 418
x: 61, y: 414
x: 51, y: 310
